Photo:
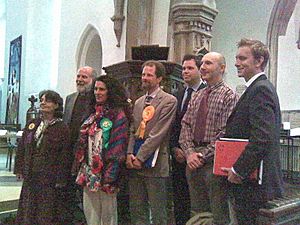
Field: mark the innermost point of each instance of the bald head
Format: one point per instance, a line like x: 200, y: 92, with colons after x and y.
x: 84, y: 78
x: 218, y: 57
x: 89, y: 71
x: 212, y: 67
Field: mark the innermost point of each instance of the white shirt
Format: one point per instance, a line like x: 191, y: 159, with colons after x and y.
x: 154, y: 93
x: 252, y: 79
x: 194, y: 87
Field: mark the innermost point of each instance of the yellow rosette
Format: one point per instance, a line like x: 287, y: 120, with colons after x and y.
x: 31, y: 126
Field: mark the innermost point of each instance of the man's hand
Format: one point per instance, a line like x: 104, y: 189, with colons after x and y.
x: 137, y: 164
x: 195, y: 161
x: 179, y: 155
x: 232, y: 177
x: 129, y: 161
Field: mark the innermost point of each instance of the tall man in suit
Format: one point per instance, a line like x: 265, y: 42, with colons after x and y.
x: 203, y: 121
x: 77, y: 107
x: 153, y: 115
x: 256, y: 117
x: 192, y: 79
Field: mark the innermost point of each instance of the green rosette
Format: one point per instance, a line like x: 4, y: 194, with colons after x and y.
x: 106, y: 125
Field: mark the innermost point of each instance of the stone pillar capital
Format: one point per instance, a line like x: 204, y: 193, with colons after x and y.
x: 192, y: 22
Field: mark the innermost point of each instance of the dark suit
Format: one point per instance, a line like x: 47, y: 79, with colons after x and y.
x: 69, y: 105
x: 256, y: 117
x: 181, y: 196
x: 74, y: 126
x: 74, y: 123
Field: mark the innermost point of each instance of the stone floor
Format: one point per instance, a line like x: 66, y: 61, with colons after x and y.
x: 10, y: 191
x: 10, y: 188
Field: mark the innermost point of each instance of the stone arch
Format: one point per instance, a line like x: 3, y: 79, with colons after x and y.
x: 280, y: 16
x: 89, y: 50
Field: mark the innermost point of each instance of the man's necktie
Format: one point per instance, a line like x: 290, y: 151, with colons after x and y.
x: 201, y: 117
x: 148, y: 100
x: 187, y: 100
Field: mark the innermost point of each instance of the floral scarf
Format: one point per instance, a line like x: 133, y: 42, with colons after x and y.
x: 94, y: 137
x: 39, y: 134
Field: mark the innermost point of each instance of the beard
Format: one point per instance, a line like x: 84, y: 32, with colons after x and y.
x: 146, y: 85
x: 84, y: 88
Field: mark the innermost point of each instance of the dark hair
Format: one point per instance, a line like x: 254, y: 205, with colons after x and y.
x: 54, y: 97
x: 160, y: 70
x: 258, y: 50
x: 196, y: 58
x: 116, y: 95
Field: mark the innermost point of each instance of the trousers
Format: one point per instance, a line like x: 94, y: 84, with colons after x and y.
x: 148, y: 200
x: 100, y: 208
x: 209, y: 193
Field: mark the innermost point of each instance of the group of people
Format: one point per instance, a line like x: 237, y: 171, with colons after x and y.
x: 90, y: 142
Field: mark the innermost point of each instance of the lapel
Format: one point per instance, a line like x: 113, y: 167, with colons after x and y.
x: 202, y: 85
x: 139, y: 110
x: 180, y: 99
x: 155, y: 102
x: 30, y: 131
x: 244, y: 95
x: 72, y: 102
x: 70, y: 107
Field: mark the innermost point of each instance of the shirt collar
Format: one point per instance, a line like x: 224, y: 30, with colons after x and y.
x: 195, y: 87
x: 252, y: 79
x: 215, y: 86
x: 154, y: 93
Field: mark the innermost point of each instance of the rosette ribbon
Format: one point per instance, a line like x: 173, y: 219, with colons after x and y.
x: 106, y: 125
x: 147, y: 115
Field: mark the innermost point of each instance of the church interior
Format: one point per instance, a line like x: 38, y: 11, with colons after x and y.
x: 43, y: 43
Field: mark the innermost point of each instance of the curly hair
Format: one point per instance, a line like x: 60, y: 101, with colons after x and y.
x: 116, y: 95
x: 54, y: 97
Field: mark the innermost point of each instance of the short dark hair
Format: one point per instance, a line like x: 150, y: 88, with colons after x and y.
x: 258, y: 50
x: 160, y: 70
x: 54, y: 97
x: 116, y: 94
x: 196, y: 58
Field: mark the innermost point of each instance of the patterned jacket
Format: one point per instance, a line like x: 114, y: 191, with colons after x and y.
x: 101, y: 149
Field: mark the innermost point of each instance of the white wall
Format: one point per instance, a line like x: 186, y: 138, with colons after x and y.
x: 75, y: 16
x: 2, y: 48
x: 16, y: 25
x: 238, y: 19
x: 160, y: 22
x: 288, y: 73
x: 2, y: 36
x: 34, y: 20
x: 51, y: 32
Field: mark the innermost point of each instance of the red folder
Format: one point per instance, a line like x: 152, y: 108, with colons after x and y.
x: 227, y: 153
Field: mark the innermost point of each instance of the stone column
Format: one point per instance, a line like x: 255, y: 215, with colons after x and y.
x: 139, y: 24
x: 191, y: 22
x: 118, y: 19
